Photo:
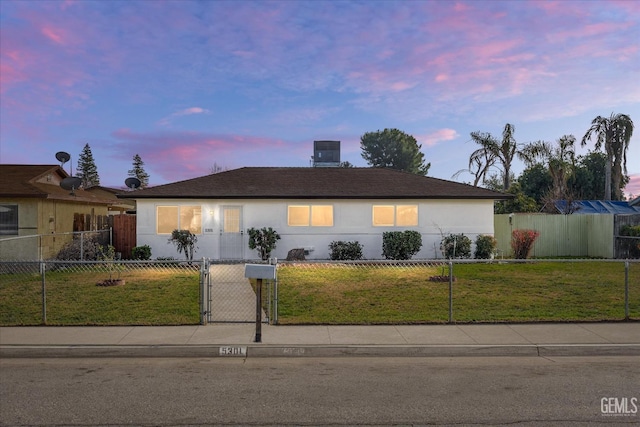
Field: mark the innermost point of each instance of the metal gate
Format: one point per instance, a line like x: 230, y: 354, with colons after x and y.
x: 230, y: 297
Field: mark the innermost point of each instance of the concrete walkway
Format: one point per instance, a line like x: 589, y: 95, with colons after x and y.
x: 565, y: 339
x: 232, y: 297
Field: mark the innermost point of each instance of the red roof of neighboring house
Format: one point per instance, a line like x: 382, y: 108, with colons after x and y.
x: 315, y: 183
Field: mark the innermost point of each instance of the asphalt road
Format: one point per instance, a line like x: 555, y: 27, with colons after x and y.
x: 331, y: 391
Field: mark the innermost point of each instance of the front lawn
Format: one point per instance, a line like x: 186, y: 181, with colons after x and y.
x: 495, y: 292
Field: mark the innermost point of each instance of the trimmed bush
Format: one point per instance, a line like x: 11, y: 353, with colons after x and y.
x: 345, y: 250
x: 401, y: 244
x: 264, y: 240
x: 485, y: 247
x: 85, y: 249
x: 522, y: 241
x: 456, y: 246
x: 141, y: 252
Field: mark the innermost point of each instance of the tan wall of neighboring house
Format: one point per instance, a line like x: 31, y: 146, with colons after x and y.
x: 45, y: 217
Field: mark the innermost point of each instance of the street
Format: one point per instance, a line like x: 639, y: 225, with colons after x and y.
x: 314, y: 391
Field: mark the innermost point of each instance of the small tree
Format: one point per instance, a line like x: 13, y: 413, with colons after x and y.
x: 185, y: 241
x: 139, y: 172
x: 485, y: 247
x: 401, y: 244
x: 522, y: 241
x: 87, y: 170
x: 264, y: 240
x: 456, y: 246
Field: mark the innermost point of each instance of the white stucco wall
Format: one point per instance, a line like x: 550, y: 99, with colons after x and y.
x: 352, y: 222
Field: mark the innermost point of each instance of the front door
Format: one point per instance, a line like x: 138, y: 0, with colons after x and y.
x: 231, y: 233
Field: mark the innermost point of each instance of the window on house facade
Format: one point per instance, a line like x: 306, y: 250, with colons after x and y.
x: 310, y: 215
x: 8, y: 220
x: 395, y: 215
x: 169, y: 218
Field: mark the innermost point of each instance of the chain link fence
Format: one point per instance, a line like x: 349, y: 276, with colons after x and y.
x: 100, y: 293
x: 78, y: 245
x: 375, y: 292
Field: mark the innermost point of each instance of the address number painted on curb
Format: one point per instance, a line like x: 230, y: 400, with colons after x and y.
x: 233, y: 351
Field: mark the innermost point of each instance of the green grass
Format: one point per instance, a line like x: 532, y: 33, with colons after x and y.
x: 522, y: 292
x: 153, y: 296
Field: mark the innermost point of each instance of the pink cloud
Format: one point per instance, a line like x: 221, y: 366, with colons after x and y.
x: 440, y: 135
x: 53, y: 34
x: 633, y: 187
x: 182, y: 155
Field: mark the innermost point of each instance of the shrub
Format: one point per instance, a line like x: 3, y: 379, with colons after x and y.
x: 141, y: 252
x: 185, y: 241
x: 632, y: 245
x: 264, y: 240
x: 485, y: 247
x: 456, y: 246
x: 401, y: 244
x: 81, y: 249
x: 522, y: 242
x: 345, y: 250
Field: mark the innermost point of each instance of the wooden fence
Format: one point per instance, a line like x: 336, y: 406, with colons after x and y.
x: 123, y: 226
x: 577, y: 235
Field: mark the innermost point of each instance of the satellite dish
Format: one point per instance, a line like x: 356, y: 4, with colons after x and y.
x: 63, y: 157
x: 71, y: 183
x: 132, y: 183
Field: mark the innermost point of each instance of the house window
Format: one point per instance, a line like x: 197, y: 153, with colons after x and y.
x: 169, y: 218
x: 315, y: 216
x: 8, y: 220
x: 395, y: 216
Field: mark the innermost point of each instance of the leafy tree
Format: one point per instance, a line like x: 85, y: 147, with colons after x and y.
x: 139, y: 172
x: 392, y: 148
x: 491, y: 151
x: 535, y: 182
x: 613, y: 134
x: 521, y: 202
x: 87, y: 170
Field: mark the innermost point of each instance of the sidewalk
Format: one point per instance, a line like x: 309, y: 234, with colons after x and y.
x: 238, y: 339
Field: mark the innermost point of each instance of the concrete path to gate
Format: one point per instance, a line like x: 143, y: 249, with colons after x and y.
x: 232, y: 297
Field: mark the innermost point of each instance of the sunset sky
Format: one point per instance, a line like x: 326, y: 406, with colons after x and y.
x: 192, y: 84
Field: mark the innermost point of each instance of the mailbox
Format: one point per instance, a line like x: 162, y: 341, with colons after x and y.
x: 260, y: 271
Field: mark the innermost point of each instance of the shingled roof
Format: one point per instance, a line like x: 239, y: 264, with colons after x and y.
x: 41, y: 181
x: 315, y: 183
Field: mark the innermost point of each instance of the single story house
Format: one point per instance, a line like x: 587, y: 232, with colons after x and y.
x: 309, y: 208
x: 32, y: 203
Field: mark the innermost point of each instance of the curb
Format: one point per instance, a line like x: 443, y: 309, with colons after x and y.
x: 266, y: 351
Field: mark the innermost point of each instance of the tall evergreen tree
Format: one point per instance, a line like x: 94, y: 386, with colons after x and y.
x: 87, y: 170
x: 394, y: 149
x: 139, y: 172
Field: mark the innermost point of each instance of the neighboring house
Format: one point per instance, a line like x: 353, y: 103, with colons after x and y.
x: 33, y: 203
x: 309, y: 208
x: 118, y: 206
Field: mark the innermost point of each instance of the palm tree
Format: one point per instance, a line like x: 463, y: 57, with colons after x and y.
x: 560, y: 162
x: 614, y: 133
x: 491, y: 150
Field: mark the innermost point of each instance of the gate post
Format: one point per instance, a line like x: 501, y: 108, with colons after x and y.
x: 204, y: 292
